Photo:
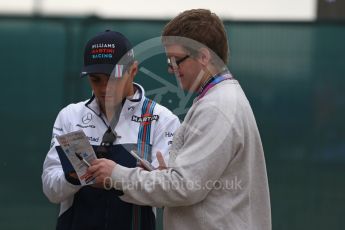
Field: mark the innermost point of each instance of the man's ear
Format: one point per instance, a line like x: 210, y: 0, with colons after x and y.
x: 204, y: 56
x: 133, y: 70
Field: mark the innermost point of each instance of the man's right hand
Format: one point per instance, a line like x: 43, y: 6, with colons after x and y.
x: 161, y: 162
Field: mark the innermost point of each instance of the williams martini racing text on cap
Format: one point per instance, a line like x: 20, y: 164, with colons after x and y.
x: 107, y: 53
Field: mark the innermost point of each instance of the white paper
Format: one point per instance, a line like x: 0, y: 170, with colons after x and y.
x: 77, y: 143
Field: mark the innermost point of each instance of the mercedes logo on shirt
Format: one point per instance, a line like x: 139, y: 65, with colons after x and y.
x: 87, y: 118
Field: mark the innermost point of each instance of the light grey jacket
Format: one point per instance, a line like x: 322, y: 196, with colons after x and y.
x: 216, y: 177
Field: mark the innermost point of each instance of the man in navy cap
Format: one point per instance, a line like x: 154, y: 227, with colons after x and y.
x: 118, y: 118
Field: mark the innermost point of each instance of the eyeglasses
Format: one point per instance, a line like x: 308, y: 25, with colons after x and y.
x: 173, y: 63
x: 107, y: 140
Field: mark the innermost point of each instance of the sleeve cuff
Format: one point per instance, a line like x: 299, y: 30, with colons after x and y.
x: 72, y: 187
x: 120, y: 176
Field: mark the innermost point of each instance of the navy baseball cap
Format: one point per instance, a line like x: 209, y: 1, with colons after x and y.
x: 109, y: 53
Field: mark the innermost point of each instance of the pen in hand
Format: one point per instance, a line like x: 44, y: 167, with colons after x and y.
x: 81, y: 158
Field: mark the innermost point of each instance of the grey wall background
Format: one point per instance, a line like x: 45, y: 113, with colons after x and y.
x: 292, y: 73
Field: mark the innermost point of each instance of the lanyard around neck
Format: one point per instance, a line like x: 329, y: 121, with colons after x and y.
x: 212, y: 82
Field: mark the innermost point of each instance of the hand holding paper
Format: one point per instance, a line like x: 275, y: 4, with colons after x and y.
x: 101, y: 169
